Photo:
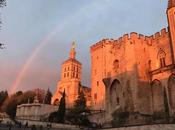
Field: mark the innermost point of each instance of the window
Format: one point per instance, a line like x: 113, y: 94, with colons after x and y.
x: 64, y: 69
x: 67, y: 74
x: 97, y: 83
x: 116, y: 65
x: 76, y: 75
x: 161, y: 57
x: 68, y: 68
x: 149, y: 64
x: 95, y: 96
x: 64, y: 75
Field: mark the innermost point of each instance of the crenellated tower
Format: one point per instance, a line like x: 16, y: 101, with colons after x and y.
x: 171, y: 23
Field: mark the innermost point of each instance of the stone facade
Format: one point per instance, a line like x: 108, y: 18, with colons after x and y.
x: 34, y: 111
x: 71, y: 73
x: 135, y: 72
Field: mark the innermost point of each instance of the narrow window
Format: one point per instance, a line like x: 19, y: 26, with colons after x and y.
x: 161, y: 56
x: 149, y: 64
x: 95, y: 96
x: 97, y: 83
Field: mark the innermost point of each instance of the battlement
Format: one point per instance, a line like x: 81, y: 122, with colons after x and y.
x: 124, y: 38
x: 159, y: 34
x: 101, y: 43
x: 132, y: 36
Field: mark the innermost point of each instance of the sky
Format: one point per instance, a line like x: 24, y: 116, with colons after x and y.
x: 38, y: 35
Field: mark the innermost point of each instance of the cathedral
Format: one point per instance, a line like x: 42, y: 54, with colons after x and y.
x: 135, y: 72
x: 71, y: 73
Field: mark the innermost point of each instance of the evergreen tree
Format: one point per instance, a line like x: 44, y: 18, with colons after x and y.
x: 3, y: 97
x: 62, y: 108
x: 78, y: 115
x: 48, y: 97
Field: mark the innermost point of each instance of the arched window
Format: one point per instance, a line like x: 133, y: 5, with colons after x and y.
x: 116, y: 65
x: 161, y: 57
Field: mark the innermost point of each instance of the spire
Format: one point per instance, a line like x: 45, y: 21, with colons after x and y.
x: 171, y: 3
x: 72, y: 51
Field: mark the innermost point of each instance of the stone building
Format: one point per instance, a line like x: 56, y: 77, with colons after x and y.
x: 34, y: 111
x: 71, y: 73
x: 135, y: 72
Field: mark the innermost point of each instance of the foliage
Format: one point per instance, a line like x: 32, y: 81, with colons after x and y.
x: 10, y: 105
x: 40, y: 93
x: 3, y: 97
x: 78, y: 115
x: 119, y: 117
x: 62, y: 108
x: 2, y: 3
x: 48, y: 97
x: 59, y: 115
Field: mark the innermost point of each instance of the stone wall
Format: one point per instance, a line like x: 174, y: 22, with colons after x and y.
x: 34, y: 111
x: 147, y: 127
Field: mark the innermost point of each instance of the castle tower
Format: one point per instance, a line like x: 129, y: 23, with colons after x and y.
x: 70, y: 78
x: 171, y: 22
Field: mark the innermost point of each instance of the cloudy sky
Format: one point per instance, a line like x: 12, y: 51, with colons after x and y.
x: 38, y: 35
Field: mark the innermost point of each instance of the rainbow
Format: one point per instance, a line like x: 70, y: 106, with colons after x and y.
x: 82, y: 11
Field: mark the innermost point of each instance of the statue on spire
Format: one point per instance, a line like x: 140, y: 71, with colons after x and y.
x: 73, y: 45
x: 72, y: 51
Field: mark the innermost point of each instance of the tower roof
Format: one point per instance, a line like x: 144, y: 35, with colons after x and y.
x: 171, y: 3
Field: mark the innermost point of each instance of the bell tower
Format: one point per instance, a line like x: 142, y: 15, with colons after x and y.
x: 70, y: 79
x: 171, y: 23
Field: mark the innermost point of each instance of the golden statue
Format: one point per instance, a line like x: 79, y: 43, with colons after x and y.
x: 73, y: 45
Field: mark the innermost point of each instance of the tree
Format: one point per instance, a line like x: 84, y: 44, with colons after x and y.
x: 2, y: 3
x: 62, y: 108
x: 10, y: 105
x: 59, y: 115
x: 3, y: 97
x: 48, y: 97
x: 78, y: 115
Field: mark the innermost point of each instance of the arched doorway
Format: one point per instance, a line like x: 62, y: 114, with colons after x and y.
x: 157, y: 96
x: 171, y: 91
x: 116, y: 99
